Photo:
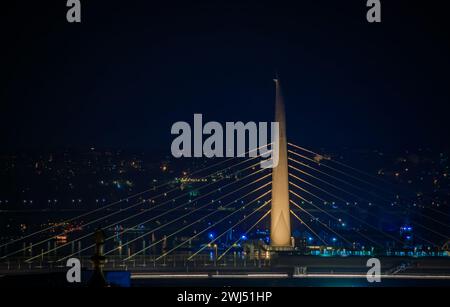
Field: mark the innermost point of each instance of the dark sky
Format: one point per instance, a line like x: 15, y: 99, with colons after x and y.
x: 132, y: 68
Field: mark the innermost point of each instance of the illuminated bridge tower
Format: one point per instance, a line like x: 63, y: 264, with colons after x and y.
x: 280, y: 230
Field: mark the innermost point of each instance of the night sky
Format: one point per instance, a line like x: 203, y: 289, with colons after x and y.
x: 123, y: 76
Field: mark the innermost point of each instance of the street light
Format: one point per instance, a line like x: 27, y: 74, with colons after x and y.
x: 215, y: 254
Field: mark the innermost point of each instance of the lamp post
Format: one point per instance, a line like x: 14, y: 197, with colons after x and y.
x: 98, y: 279
x: 215, y: 254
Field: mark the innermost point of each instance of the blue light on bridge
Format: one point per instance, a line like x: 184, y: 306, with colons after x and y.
x: 406, y: 228
x: 211, y: 235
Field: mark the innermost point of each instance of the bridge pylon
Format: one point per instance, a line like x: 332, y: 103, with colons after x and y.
x: 280, y: 230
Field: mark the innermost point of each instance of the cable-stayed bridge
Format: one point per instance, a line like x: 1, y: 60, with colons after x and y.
x: 335, y: 210
x: 238, y: 215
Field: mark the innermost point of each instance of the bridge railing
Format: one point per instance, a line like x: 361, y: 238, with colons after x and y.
x: 169, y: 262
